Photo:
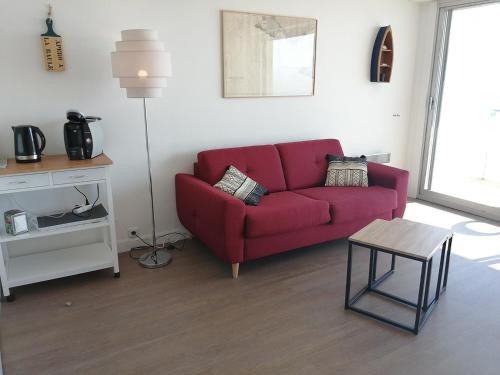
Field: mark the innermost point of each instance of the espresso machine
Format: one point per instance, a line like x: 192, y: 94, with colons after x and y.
x: 83, y: 136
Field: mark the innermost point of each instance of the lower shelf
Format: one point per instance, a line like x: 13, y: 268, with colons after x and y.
x: 33, y: 268
x: 100, y: 223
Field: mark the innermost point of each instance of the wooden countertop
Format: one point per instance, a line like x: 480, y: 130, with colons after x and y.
x: 53, y: 163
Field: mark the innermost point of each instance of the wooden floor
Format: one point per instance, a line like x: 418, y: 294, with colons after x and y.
x: 284, y: 315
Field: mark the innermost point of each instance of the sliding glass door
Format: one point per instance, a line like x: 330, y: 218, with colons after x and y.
x: 461, y: 166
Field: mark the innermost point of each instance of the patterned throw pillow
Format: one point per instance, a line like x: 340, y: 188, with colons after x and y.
x: 345, y: 171
x: 241, y: 186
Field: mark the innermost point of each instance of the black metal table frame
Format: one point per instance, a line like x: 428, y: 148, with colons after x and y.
x: 423, y: 307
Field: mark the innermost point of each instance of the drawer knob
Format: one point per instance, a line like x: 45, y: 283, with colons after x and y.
x: 79, y: 176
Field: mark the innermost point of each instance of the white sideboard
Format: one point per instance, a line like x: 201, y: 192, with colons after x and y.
x: 57, y: 172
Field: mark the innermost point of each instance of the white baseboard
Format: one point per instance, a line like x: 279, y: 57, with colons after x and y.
x: 125, y: 244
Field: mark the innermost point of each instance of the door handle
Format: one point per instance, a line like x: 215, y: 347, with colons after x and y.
x: 432, y: 103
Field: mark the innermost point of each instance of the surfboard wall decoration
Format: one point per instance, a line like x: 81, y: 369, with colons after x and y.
x: 382, y: 56
x: 52, y: 47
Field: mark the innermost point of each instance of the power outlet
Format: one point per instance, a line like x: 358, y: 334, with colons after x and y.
x: 132, y: 231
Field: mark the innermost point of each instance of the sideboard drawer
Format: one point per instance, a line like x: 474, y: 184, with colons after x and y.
x: 78, y: 176
x: 24, y: 181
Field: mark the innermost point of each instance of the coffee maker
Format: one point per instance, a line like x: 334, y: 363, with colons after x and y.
x: 83, y: 136
x: 26, y: 144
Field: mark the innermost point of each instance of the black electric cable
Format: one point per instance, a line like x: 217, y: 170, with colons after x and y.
x: 165, y: 245
x: 174, y: 233
x: 143, y: 240
x: 86, y: 199
x: 89, y: 212
x: 140, y: 249
x: 171, y: 244
x: 137, y: 252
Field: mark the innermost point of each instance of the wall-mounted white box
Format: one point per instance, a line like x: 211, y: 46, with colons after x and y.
x: 381, y: 157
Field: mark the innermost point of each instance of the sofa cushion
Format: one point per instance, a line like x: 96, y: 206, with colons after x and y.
x: 260, y: 163
x: 354, y: 203
x: 284, y: 212
x: 305, y: 164
x: 347, y: 171
x: 241, y: 186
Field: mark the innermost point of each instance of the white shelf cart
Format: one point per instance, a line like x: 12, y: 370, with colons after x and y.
x: 56, y: 172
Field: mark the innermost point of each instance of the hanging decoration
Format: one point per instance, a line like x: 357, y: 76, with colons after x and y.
x: 52, y: 47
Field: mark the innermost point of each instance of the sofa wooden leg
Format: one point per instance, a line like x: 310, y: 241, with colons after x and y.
x: 236, y: 268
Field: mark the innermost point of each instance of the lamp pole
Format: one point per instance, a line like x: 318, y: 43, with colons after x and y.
x: 155, y: 258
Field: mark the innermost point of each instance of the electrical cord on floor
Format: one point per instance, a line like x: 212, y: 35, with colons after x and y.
x: 143, y: 241
x: 172, y: 243
x: 138, y: 251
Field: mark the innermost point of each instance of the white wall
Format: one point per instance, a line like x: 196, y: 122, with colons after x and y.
x: 192, y: 116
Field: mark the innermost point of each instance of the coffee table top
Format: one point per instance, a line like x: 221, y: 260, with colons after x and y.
x: 403, y: 237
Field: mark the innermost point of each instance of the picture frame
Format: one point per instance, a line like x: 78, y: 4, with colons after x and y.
x: 266, y: 55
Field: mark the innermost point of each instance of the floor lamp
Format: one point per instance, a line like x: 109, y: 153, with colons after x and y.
x: 142, y: 65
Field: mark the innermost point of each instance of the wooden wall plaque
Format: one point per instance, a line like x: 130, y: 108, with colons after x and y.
x: 52, y: 47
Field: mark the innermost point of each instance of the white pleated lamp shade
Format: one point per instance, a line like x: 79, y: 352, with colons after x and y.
x: 141, y: 63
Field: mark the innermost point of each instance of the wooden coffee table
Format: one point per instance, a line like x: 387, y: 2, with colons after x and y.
x: 407, y: 239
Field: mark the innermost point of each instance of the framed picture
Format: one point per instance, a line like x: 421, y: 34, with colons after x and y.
x: 267, y: 55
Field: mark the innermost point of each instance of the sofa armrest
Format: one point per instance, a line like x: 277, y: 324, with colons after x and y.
x: 393, y: 178
x: 212, y: 215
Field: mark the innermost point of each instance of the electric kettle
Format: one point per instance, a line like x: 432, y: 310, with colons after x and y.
x: 26, y: 143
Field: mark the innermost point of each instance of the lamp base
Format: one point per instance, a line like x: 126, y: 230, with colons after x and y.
x: 155, y: 259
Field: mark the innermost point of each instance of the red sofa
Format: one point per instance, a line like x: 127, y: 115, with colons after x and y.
x: 299, y: 211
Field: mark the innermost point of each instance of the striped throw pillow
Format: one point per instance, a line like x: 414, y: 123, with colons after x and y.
x: 346, y: 171
x: 241, y: 186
